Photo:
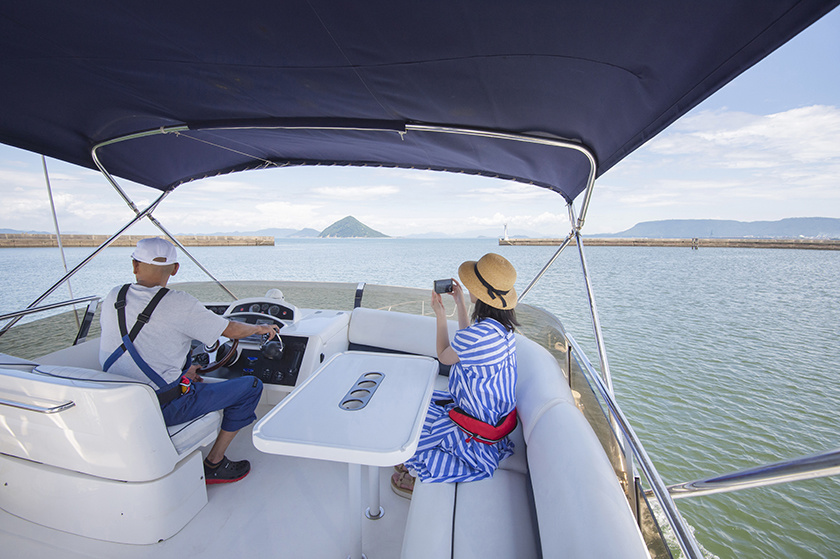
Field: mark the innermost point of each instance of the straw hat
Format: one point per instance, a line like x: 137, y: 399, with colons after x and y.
x: 491, y: 280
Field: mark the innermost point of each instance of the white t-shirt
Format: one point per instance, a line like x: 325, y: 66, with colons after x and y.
x: 165, y: 340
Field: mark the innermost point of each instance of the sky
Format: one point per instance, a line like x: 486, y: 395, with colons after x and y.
x: 763, y: 148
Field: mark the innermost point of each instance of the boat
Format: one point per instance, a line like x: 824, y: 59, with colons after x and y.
x: 164, y: 94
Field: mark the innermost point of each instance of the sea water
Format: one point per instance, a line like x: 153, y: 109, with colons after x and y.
x: 722, y: 359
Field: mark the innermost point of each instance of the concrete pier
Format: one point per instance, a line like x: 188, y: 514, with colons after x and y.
x: 811, y: 244
x: 25, y: 240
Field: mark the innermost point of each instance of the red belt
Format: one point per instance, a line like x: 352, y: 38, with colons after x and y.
x: 481, y: 431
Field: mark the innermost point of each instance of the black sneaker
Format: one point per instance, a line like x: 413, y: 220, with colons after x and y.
x: 226, y: 471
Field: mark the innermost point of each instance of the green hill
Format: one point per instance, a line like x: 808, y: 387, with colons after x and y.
x: 350, y: 227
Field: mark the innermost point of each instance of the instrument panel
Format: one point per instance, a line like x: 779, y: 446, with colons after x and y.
x: 271, y: 308
x: 251, y: 360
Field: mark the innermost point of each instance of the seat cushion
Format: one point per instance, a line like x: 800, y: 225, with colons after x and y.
x: 495, y: 518
x: 194, y: 434
x: 428, y: 531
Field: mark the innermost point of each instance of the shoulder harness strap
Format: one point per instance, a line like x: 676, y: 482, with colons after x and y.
x: 129, y: 337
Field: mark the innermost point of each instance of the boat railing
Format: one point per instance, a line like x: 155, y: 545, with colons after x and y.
x: 84, y: 324
x: 657, y: 488
x: 801, y: 468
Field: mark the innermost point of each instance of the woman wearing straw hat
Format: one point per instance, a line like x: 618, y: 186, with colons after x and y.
x: 464, y: 434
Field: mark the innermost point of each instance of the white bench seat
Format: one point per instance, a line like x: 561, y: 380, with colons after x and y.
x: 557, y: 496
x: 106, y: 458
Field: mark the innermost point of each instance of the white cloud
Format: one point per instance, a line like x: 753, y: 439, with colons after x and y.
x: 356, y: 192
x: 807, y: 135
x: 728, y: 165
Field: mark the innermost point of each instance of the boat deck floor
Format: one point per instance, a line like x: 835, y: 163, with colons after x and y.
x: 286, y: 507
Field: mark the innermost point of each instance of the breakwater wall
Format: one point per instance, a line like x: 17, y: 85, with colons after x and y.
x: 25, y: 240
x: 810, y: 244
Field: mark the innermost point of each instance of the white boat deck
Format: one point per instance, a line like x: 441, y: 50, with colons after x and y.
x: 286, y: 507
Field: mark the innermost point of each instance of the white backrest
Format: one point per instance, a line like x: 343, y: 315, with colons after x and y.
x: 408, y: 333
x: 114, y: 429
x: 581, y: 509
x: 85, y: 355
x: 541, y: 383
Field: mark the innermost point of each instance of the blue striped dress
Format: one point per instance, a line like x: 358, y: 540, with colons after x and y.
x: 483, y: 384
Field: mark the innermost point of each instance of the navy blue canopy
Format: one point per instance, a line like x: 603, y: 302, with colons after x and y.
x: 336, y: 82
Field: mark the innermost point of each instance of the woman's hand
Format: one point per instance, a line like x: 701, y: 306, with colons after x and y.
x: 445, y: 353
x: 460, y: 304
x: 457, y: 291
x: 437, y: 305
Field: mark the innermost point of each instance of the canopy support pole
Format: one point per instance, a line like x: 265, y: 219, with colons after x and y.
x: 58, y: 233
x: 546, y: 267
x: 157, y: 224
x: 626, y: 455
x: 140, y: 215
x: 593, y: 310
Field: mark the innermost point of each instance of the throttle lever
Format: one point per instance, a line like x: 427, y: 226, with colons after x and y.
x: 271, y: 349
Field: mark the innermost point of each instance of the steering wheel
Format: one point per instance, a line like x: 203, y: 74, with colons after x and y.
x: 220, y: 361
x: 230, y: 355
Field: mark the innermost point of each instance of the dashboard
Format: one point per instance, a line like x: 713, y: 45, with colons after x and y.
x: 251, y: 360
x: 307, y: 336
x: 271, y: 308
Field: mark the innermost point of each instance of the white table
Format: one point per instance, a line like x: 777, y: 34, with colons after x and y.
x: 360, y: 408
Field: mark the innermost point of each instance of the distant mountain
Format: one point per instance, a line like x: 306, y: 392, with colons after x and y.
x: 791, y: 228
x: 350, y: 227
x: 273, y: 232
x: 278, y: 233
x: 16, y: 232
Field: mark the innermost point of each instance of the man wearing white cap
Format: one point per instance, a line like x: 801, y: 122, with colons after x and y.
x: 157, y: 348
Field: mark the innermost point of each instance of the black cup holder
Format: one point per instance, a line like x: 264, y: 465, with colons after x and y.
x: 362, y: 391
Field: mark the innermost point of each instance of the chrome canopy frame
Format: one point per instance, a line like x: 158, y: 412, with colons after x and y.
x: 685, y: 538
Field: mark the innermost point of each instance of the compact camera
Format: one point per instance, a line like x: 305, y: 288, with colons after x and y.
x: 443, y: 286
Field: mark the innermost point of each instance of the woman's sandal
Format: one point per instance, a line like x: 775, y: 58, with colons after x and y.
x: 401, y: 469
x: 402, y: 484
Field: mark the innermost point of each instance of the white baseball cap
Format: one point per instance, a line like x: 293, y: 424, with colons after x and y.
x: 155, y: 251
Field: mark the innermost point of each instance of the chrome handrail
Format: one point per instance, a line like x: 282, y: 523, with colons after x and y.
x: 83, y: 325
x: 38, y: 409
x: 796, y: 469
x: 33, y: 310
x: 685, y: 539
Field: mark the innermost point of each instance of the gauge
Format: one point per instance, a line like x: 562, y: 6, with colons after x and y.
x: 274, y: 310
x: 255, y: 307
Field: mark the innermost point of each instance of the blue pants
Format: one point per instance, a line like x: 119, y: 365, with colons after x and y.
x: 237, y: 397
